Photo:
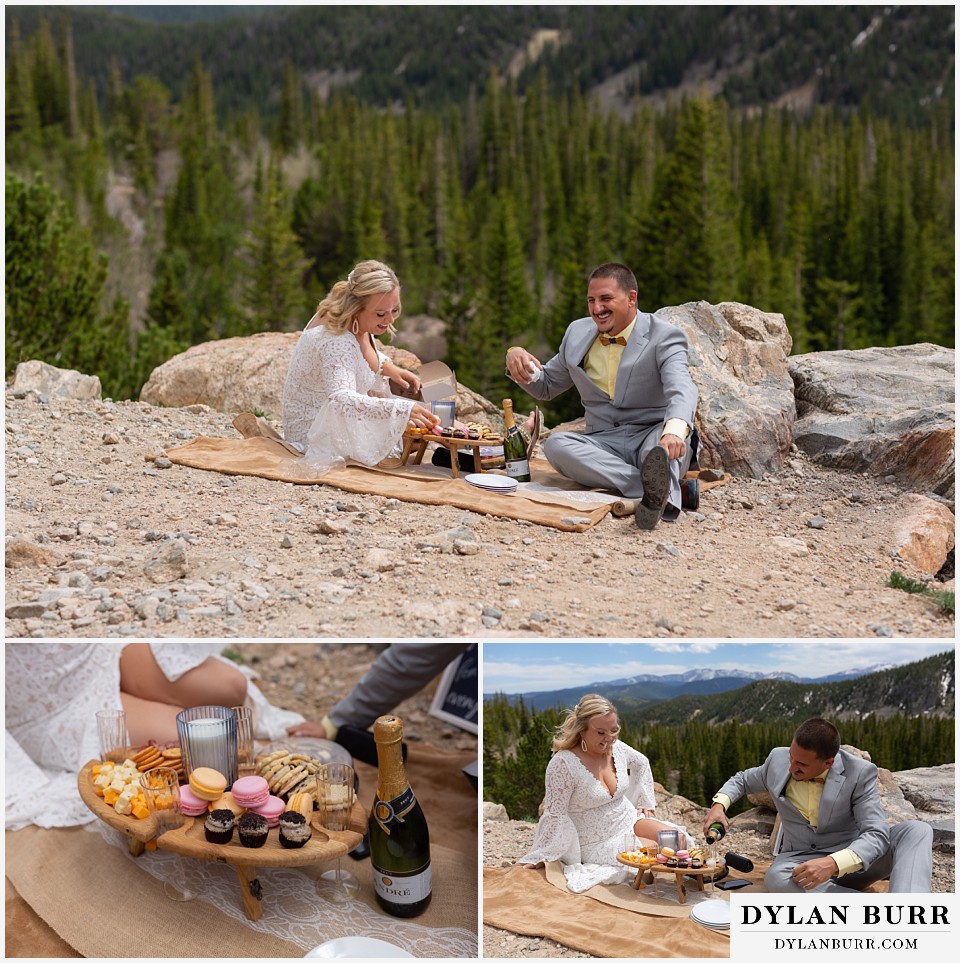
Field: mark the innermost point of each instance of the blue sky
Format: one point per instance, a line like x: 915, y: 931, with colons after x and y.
x: 543, y: 666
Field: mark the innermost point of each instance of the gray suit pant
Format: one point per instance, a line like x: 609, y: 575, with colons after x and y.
x: 588, y: 461
x: 400, y: 671
x: 907, y: 863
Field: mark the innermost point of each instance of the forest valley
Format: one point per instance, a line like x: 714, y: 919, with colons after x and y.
x: 492, y: 211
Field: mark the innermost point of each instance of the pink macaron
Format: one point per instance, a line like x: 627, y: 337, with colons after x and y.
x: 271, y: 810
x: 191, y: 805
x: 251, y: 791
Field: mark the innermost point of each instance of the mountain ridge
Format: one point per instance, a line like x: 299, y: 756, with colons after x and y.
x: 900, y: 59
x: 715, y: 695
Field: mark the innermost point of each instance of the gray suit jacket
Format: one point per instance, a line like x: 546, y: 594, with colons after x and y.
x: 850, y: 815
x: 653, y: 381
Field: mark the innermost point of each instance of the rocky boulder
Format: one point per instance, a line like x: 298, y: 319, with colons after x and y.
x: 495, y: 811
x: 738, y: 360
x: 886, y: 411
x: 243, y: 374
x: 925, y: 532
x: 50, y: 382
x: 232, y: 375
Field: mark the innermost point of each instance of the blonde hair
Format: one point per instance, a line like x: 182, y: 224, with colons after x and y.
x: 572, y: 728
x: 348, y: 298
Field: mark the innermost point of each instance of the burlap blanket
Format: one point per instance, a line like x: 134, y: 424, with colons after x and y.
x: 87, y: 897
x: 557, y: 503
x: 606, y: 921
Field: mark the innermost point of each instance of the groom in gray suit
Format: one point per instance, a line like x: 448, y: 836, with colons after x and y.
x: 834, y: 835
x: 632, y: 373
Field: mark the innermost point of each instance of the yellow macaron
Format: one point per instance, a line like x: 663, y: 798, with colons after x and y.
x: 226, y: 801
x: 207, y: 783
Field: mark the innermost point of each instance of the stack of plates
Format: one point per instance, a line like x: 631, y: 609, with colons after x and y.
x: 714, y: 914
x: 492, y: 483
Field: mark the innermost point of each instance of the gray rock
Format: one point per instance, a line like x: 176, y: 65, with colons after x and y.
x: 495, y: 812
x: 886, y: 411
x: 463, y: 546
x: 51, y: 382
x: 25, y: 610
x: 738, y: 360
x: 931, y: 789
x: 169, y: 564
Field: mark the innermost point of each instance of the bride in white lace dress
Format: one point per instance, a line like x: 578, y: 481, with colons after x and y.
x: 598, y: 790
x: 337, y: 403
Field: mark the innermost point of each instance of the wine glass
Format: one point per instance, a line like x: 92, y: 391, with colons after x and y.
x: 161, y: 786
x: 335, y: 798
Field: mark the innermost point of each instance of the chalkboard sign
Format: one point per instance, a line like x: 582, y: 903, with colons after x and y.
x: 457, y: 694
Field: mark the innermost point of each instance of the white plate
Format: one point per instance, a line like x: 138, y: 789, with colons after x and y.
x: 357, y: 948
x: 714, y: 913
x: 492, y: 483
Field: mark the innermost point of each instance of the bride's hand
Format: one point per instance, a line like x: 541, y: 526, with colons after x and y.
x: 421, y: 417
x: 312, y: 729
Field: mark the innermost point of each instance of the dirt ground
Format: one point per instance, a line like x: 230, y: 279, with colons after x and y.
x: 103, y: 543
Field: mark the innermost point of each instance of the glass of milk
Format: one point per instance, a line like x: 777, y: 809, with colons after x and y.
x: 208, y: 737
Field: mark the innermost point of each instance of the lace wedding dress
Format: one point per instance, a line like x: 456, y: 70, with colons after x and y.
x: 583, y: 824
x: 335, y: 407
x: 53, y: 691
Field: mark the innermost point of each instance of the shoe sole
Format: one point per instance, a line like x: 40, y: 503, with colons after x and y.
x: 655, y: 476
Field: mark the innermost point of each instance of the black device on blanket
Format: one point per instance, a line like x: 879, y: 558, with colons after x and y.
x: 734, y: 884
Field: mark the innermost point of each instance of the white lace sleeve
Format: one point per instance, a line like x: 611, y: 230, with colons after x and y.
x: 328, y: 407
x: 556, y: 836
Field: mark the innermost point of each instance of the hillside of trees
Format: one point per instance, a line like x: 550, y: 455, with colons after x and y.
x: 141, y: 218
x: 693, y: 752
x: 901, y: 57
x: 927, y: 687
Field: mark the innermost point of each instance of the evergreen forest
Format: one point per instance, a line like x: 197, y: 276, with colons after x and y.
x: 143, y: 217
x: 692, y: 759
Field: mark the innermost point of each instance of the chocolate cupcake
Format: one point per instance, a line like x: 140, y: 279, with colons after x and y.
x: 253, y: 830
x: 294, y: 831
x: 218, y: 827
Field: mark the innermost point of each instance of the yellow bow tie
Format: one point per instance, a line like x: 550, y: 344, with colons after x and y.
x: 605, y: 340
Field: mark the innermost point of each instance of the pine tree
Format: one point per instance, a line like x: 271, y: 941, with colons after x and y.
x: 290, y: 122
x: 274, y: 294
x: 54, y: 289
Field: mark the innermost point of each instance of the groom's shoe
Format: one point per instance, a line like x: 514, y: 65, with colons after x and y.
x: 655, y: 476
x: 690, y: 494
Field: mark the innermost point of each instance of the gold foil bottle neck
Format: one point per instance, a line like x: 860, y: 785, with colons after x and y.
x: 387, y: 730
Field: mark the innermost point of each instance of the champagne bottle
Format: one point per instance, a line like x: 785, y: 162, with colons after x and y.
x: 715, y: 832
x: 399, y: 838
x: 514, y: 447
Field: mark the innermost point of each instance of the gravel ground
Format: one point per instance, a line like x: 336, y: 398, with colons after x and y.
x: 310, y: 678
x: 101, y: 542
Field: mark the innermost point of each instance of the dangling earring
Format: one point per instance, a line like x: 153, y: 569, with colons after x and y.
x: 355, y: 327
x: 583, y: 745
